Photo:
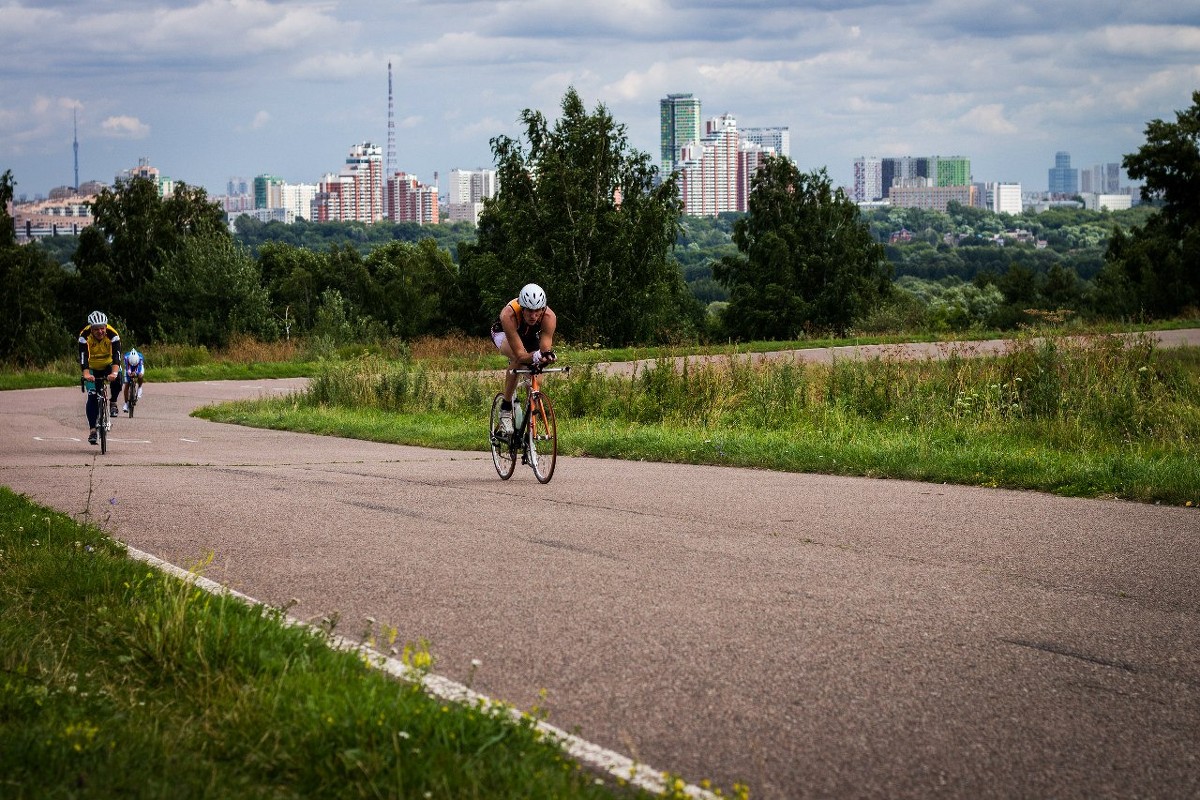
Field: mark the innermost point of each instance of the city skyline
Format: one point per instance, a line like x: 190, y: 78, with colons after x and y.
x: 210, y: 89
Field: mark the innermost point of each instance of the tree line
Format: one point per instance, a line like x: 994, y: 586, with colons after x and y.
x: 591, y: 219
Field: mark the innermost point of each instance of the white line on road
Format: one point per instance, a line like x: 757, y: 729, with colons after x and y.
x: 595, y: 756
x: 193, y: 441
x: 57, y: 439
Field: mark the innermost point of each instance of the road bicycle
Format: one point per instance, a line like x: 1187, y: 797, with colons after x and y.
x: 535, y: 436
x: 103, y: 420
x: 134, y: 391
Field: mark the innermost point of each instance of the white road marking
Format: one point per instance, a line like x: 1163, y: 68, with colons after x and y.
x: 57, y: 439
x: 193, y: 441
x: 617, y: 765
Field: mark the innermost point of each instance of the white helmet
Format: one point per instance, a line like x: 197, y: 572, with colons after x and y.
x: 532, y: 297
x: 134, y: 358
x: 97, y: 318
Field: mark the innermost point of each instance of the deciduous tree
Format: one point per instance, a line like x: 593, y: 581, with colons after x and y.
x: 579, y: 212
x: 135, y: 232
x: 807, y: 260
x: 1154, y: 269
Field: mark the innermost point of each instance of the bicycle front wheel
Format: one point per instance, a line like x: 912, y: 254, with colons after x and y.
x: 504, y: 455
x: 102, y: 424
x: 541, y: 438
x: 132, y: 402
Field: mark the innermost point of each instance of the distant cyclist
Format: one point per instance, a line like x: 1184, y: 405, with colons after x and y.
x: 135, y: 371
x: 524, y: 332
x: 99, y: 356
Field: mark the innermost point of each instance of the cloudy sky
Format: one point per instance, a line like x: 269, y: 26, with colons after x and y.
x: 209, y: 89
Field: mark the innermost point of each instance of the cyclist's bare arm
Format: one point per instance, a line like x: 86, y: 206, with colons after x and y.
x: 549, y: 324
x: 508, y: 321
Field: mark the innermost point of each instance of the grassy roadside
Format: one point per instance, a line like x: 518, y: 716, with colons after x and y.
x: 250, y: 360
x: 1102, y: 418
x: 118, y: 680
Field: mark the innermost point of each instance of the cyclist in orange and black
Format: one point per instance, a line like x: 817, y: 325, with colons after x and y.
x: 524, y: 332
x: 100, y: 357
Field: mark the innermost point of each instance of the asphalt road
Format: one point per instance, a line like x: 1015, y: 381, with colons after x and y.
x: 811, y: 636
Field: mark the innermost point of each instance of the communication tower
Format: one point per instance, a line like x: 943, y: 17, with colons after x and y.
x: 389, y: 167
x: 75, y: 120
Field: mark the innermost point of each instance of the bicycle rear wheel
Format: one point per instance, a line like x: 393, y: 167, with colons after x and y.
x: 504, y: 455
x: 541, y: 440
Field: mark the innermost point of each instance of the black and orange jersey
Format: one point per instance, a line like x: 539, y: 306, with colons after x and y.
x: 99, y: 352
x: 530, y: 335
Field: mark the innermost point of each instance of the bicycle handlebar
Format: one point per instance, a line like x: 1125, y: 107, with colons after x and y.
x: 538, y: 370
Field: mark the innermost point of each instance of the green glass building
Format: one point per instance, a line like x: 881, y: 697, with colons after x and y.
x: 679, y: 117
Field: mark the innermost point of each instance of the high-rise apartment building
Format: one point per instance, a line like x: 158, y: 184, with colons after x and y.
x: 468, y: 189
x: 679, y: 126
x: 875, y: 177
x: 356, y: 193
x: 868, y: 180
x: 1004, y: 198
x: 750, y: 160
x: 1062, y: 178
x: 709, y: 170
x: 1100, y: 179
x: 902, y: 170
x: 267, y: 191
x: 950, y: 170
x: 297, y: 199
x: 778, y: 140
x: 409, y: 200
x: 166, y: 186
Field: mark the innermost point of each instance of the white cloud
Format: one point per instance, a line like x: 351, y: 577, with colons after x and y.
x: 987, y: 119
x: 850, y: 77
x: 125, y: 127
x: 42, y: 121
x: 339, y: 66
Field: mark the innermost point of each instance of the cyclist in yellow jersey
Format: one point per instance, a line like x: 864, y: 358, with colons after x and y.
x: 524, y: 332
x: 99, y: 356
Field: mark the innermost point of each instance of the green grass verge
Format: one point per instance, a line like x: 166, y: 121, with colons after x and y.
x: 218, y: 367
x: 1012, y: 458
x: 118, y: 680
x: 213, y: 371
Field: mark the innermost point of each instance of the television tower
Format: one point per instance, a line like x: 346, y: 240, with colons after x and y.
x: 389, y: 166
x: 75, y: 119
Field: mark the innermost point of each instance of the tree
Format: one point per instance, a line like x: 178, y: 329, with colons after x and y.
x: 413, y: 280
x: 1169, y: 163
x: 134, y: 233
x: 34, y: 331
x: 209, y: 291
x: 1153, y: 270
x: 8, y: 234
x: 807, y: 259
x: 578, y: 212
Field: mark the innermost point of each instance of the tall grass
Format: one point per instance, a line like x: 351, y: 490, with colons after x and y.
x: 1092, y: 416
x: 117, y: 680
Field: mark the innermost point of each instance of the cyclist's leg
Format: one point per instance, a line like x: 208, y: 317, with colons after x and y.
x: 92, y: 409
x: 510, y: 380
